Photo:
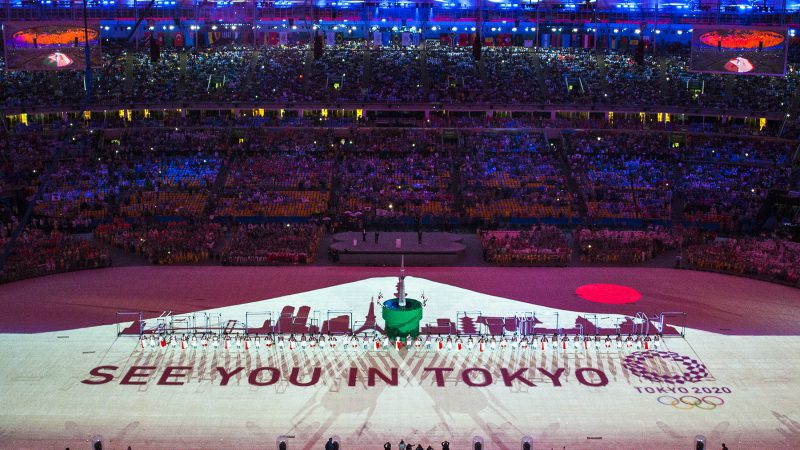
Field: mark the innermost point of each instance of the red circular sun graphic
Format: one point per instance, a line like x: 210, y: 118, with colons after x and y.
x: 612, y: 294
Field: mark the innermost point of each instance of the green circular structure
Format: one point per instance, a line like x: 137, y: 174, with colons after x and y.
x: 401, y: 321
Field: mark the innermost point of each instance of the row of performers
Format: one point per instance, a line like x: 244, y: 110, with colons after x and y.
x: 379, y: 341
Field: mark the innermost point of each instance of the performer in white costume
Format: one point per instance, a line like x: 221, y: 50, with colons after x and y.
x: 268, y: 342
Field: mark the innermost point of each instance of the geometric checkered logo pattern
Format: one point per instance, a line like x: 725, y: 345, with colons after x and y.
x: 694, y: 371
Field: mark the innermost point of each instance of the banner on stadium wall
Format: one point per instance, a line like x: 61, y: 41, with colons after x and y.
x: 406, y: 39
x: 377, y: 39
x: 445, y: 39
x: 546, y: 40
x: 178, y: 41
x: 51, y: 46
x: 272, y: 38
x: 731, y: 49
x: 565, y: 40
x: 527, y: 43
x: 463, y: 40
x: 503, y: 40
x: 330, y: 38
x: 283, y: 38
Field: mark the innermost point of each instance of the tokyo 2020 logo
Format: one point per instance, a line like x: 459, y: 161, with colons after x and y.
x: 640, y: 364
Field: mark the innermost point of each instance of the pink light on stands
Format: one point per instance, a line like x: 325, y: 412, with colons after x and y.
x: 611, y: 294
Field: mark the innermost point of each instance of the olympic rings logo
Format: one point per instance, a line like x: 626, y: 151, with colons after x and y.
x: 687, y: 402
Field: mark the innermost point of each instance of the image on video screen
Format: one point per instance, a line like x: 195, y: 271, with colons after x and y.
x: 741, y: 51
x: 48, y: 46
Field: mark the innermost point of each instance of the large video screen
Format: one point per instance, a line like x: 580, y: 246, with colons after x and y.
x: 50, y: 46
x: 739, y: 50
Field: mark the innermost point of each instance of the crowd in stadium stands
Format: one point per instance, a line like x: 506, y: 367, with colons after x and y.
x: 624, y: 246
x: 41, y: 252
x: 511, y: 176
x: 771, y: 258
x: 267, y: 244
x: 543, y: 245
x: 725, y: 180
x: 396, y: 179
x: 162, y: 243
x: 280, y: 176
x: 623, y: 175
x: 170, y: 188
x: 353, y: 71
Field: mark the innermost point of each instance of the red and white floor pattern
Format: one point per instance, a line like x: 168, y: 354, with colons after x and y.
x: 67, y: 378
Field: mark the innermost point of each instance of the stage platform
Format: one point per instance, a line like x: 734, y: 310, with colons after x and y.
x: 435, y: 249
x: 66, y: 376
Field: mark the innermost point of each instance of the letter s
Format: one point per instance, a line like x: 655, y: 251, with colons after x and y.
x: 97, y: 372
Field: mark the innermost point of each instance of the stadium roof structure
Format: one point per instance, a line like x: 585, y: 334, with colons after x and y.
x: 778, y: 12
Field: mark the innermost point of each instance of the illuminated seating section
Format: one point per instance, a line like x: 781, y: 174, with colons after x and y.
x: 558, y: 65
x: 726, y: 179
x: 403, y: 175
x: 277, y: 75
x: 267, y: 244
x: 171, y: 186
x: 512, y: 176
x: 178, y: 242
x: 23, y: 158
x: 162, y: 194
x: 395, y: 75
x: 77, y: 189
x: 541, y: 245
x: 40, y: 253
x: 776, y: 259
x: 231, y: 74
x: 624, y: 246
x: 405, y: 186
x: 338, y: 75
x: 624, y: 175
x: 293, y: 180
